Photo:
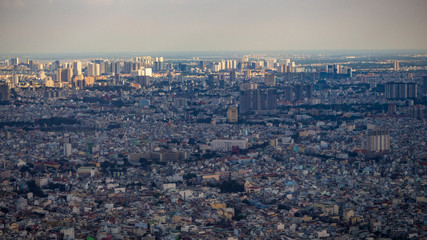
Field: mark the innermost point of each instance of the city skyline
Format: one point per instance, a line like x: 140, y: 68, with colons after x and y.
x: 213, y: 119
x: 52, y: 27
x: 261, y: 146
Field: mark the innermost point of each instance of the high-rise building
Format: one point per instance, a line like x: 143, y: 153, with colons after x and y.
x: 222, y: 83
x: 4, y: 92
x: 90, y: 69
x: 182, y: 67
x: 411, y: 90
x: 56, y: 65
x: 391, y: 108
x: 15, y: 79
x: 247, y: 74
x: 288, y: 93
x: 211, y: 80
x: 396, y: 66
x: 336, y: 69
x: 216, y: 67
x: 400, y: 90
x: 350, y: 72
x: 233, y: 64
x: 59, y: 75
x: 417, y: 111
x: 102, y: 68
x: 144, y: 80
x: 41, y: 75
x: 378, y: 141
x: 248, y: 101
x: 308, y: 91
x: 269, y: 79
x: 232, y: 114
x: 258, y: 100
x: 298, y: 90
x: 77, y: 68
x: 67, y: 149
x: 66, y: 75
x: 425, y: 85
x: 127, y: 67
x: 97, y: 69
x: 148, y: 72
x: 283, y: 68
x: 14, y: 61
x: 248, y: 86
x: 116, y: 68
x: 117, y: 79
x: 232, y: 76
x: 202, y: 65
x: 159, y: 64
x: 330, y: 69
x: 78, y: 81
x: 93, y: 69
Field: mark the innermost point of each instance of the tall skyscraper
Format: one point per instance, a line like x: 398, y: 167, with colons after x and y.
x: 269, y: 79
x: 222, y: 83
x: 56, y: 65
x: 67, y: 149
x: 258, y: 100
x: 90, y: 69
x: 336, y: 69
x: 417, y: 111
x: 15, y: 79
x: 425, y: 85
x: 77, y: 68
x: 93, y: 69
x: 378, y: 141
x: 143, y: 80
x: 232, y: 76
x: 247, y: 74
x: 127, y: 67
x: 288, y: 93
x: 391, y: 109
x: 396, y: 66
x: 159, y: 64
x: 308, y: 91
x: 283, y: 68
x: 350, y: 72
x: 116, y: 68
x: 102, y: 67
x: 14, y: 61
x: 202, y: 65
x: 232, y: 114
x: 298, y: 89
x: 4, y: 92
x: 59, y: 75
x: 66, y: 75
x: 247, y: 101
x: 400, y: 90
x: 97, y: 69
x: 211, y: 80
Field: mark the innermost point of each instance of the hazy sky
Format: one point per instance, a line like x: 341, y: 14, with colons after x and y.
x: 67, y: 26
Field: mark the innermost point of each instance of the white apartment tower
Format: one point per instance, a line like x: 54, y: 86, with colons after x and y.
x: 67, y: 149
x: 77, y: 68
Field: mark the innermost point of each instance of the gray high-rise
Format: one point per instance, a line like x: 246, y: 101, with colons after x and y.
x: 258, y: 100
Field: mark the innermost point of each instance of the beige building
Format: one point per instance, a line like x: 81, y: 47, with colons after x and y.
x: 232, y: 115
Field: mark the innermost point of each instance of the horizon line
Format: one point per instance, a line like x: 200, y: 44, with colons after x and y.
x: 318, y: 51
